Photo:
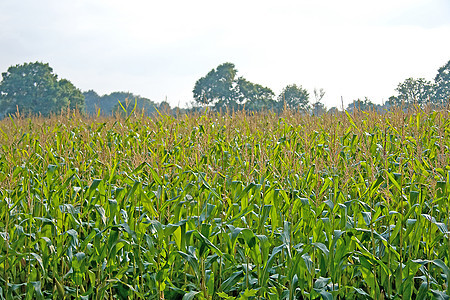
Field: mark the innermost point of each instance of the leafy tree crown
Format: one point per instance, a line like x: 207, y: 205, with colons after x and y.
x: 33, y: 88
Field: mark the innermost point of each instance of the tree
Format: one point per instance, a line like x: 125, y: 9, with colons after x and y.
x: 217, y: 87
x: 362, y: 105
x: 92, y: 102
x: 221, y: 89
x: 414, y: 92
x: 319, y: 94
x: 255, y: 96
x: 68, y: 93
x: 294, y: 97
x: 32, y: 88
x: 442, y: 82
x: 333, y: 111
x: 109, y: 104
x: 136, y: 105
x: 318, y: 108
x: 164, y: 107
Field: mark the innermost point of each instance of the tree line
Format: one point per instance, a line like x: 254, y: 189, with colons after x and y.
x: 33, y: 89
x: 221, y: 89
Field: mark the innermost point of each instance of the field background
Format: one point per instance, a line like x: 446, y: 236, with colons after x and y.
x: 213, y: 206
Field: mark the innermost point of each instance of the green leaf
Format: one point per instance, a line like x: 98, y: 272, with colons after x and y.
x: 322, y: 247
x: 325, y: 295
x: 248, y: 294
x: 37, y: 289
x: 321, y: 282
x: 439, y: 295
x: 309, y: 263
x: 350, y: 119
x: 367, y: 216
x: 207, y: 242
x: 231, y: 281
x: 190, y: 295
x: 192, y: 261
x: 225, y: 296
x: 394, y: 181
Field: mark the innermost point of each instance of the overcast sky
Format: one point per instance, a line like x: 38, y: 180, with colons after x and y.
x: 159, y: 49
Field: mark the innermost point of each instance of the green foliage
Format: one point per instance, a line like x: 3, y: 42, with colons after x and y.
x: 294, y: 97
x: 32, y: 88
x: 109, y: 104
x: 255, y: 96
x: 414, y: 92
x: 217, y: 87
x: 68, y: 93
x: 223, y: 90
x: 363, y: 105
x: 212, y: 206
x: 421, y: 92
x: 442, y: 81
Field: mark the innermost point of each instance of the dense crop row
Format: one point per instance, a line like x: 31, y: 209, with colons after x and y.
x: 214, y: 206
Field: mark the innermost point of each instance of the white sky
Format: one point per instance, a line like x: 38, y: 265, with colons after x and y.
x: 159, y: 49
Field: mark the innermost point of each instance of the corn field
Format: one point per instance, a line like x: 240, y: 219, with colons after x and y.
x: 226, y: 206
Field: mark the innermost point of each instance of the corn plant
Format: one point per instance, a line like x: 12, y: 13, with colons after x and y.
x: 226, y: 206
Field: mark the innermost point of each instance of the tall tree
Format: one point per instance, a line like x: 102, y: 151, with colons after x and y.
x: 442, y: 81
x: 318, y: 108
x: 32, y: 88
x: 68, y: 93
x: 255, y: 96
x: 414, y: 92
x: 221, y: 89
x: 294, y: 97
x: 92, y: 102
x: 217, y: 87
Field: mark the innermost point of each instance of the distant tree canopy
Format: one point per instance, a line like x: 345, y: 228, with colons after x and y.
x: 414, y: 91
x: 221, y: 89
x: 318, y: 108
x: 217, y: 87
x: 363, y: 105
x: 442, y: 82
x: 294, y: 97
x: 33, y: 88
x: 254, y: 96
x: 109, y: 104
x: 422, y: 92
